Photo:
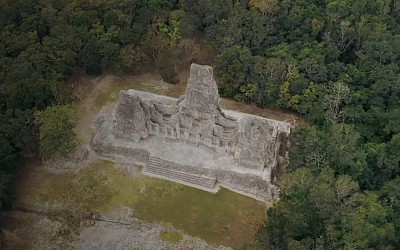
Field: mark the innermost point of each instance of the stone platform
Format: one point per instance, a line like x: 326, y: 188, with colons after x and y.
x: 191, y: 140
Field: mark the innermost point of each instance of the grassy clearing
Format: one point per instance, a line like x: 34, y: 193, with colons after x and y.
x: 224, y: 218
x: 171, y: 236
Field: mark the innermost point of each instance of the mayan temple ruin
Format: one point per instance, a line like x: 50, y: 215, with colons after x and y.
x: 192, y: 141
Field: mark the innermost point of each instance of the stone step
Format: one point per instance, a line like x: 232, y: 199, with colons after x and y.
x: 157, y: 164
x: 181, y: 176
x: 183, y: 180
x: 161, y: 168
x: 155, y: 160
x: 163, y: 164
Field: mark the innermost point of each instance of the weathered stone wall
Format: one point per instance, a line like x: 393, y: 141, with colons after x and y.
x: 130, y: 119
x: 256, y: 147
x: 249, y: 184
x: 246, y: 183
x: 256, y: 143
x: 201, y: 96
x: 103, y: 146
x: 197, y: 119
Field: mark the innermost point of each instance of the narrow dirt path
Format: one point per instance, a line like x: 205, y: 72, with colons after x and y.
x: 101, y: 84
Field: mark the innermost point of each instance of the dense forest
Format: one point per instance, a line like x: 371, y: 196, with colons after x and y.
x: 335, y: 62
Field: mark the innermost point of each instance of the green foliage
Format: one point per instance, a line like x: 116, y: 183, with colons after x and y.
x: 242, y: 28
x: 336, y: 147
x: 322, y: 161
x: 169, y: 75
x: 390, y: 197
x: 368, y: 227
x: 83, y: 18
x: 298, y: 94
x: 167, y: 65
x: 208, y: 12
x: 172, y: 30
x: 160, y: 4
x: 336, y: 63
x: 344, y: 153
x: 232, y: 67
x: 56, y: 134
x: 294, y: 217
x: 329, y: 212
x: 130, y: 58
x: 383, y: 163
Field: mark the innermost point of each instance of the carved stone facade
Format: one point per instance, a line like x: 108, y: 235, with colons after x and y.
x: 250, y: 144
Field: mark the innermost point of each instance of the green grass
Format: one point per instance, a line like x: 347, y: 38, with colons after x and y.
x: 173, y: 237
x: 225, y: 218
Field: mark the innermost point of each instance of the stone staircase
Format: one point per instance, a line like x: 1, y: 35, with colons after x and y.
x: 156, y: 167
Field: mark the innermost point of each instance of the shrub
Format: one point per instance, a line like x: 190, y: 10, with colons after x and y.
x: 56, y: 134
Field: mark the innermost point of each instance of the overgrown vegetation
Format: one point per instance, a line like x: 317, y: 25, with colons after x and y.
x: 335, y: 62
x: 56, y: 134
x: 43, y: 42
